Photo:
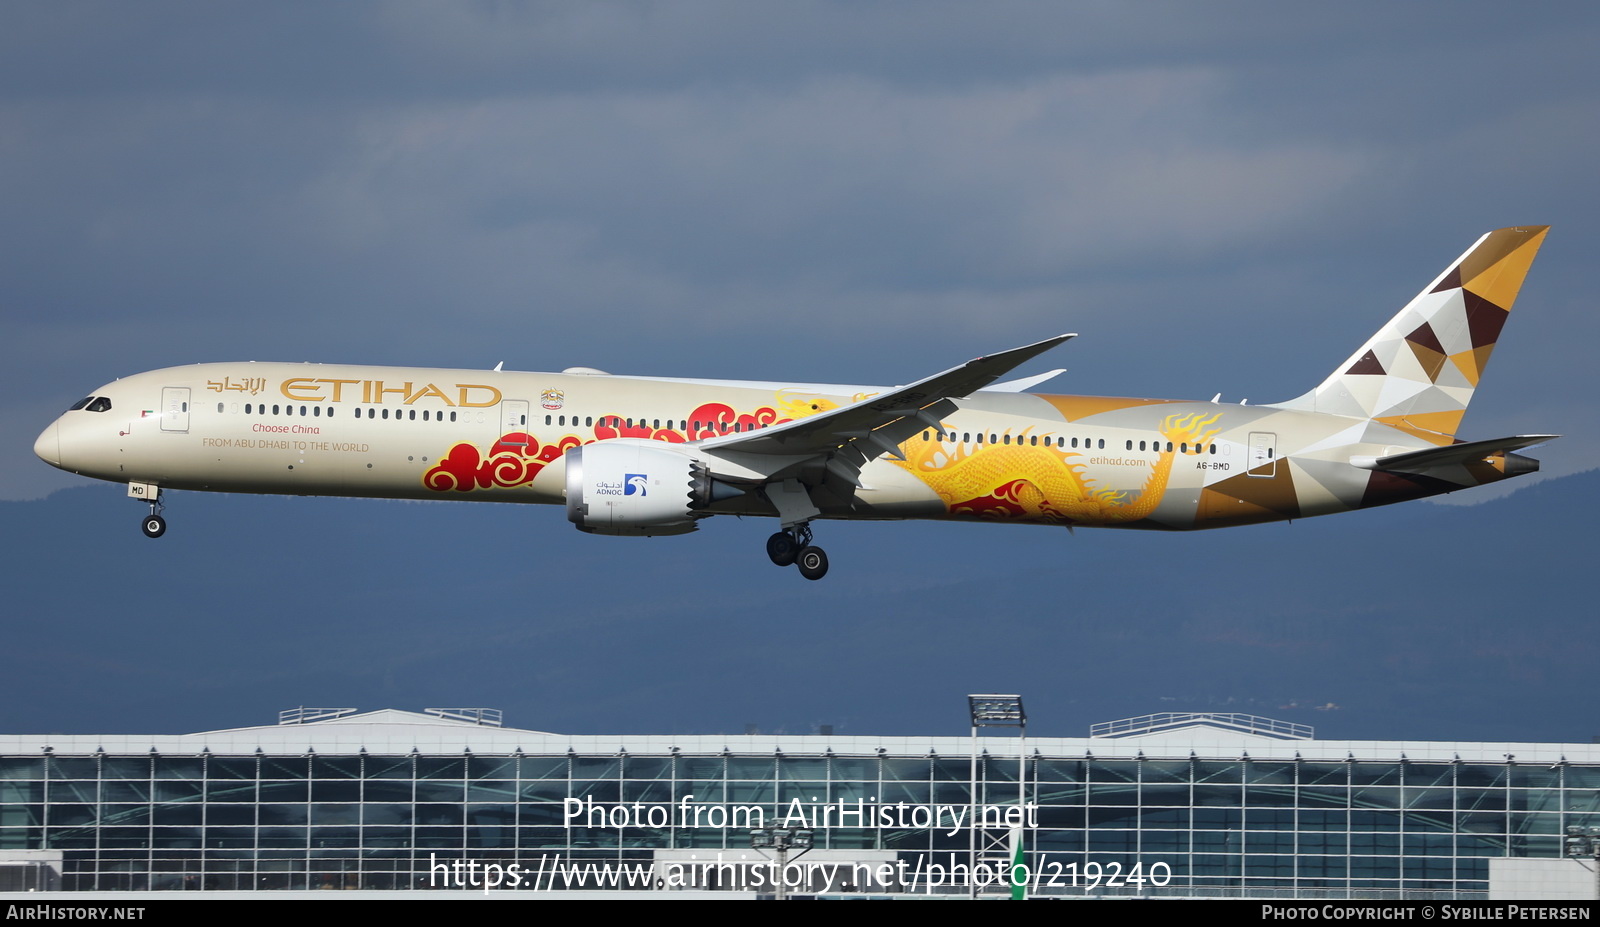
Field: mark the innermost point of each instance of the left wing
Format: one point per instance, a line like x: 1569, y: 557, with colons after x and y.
x: 879, y: 425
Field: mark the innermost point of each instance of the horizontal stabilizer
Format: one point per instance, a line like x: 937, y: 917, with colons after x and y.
x: 1429, y: 458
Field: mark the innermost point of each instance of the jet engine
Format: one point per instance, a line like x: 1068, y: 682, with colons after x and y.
x: 639, y: 488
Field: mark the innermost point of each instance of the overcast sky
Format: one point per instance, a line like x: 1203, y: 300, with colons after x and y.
x: 1219, y: 197
x: 1216, y: 196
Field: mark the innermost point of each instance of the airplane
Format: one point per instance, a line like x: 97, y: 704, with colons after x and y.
x: 649, y: 456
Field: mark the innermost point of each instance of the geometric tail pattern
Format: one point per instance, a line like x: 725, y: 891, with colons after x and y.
x: 1418, y: 372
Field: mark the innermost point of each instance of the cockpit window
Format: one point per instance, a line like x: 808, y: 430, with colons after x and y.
x: 81, y: 403
x: 99, y: 404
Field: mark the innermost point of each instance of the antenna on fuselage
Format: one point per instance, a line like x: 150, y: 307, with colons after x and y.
x: 498, y: 366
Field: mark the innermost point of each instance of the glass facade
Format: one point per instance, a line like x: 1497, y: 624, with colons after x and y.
x: 234, y: 810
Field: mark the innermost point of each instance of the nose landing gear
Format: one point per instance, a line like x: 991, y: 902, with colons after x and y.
x: 793, y: 546
x: 154, y: 525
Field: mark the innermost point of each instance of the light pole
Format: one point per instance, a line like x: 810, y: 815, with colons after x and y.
x: 781, y: 840
x: 999, y: 711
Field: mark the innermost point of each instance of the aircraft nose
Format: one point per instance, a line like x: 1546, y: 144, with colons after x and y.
x: 48, y: 447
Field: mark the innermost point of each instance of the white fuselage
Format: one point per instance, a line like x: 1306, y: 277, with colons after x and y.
x: 425, y: 433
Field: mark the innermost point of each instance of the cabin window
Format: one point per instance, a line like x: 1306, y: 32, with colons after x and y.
x: 219, y: 407
x: 275, y: 409
x: 588, y: 421
x: 561, y: 420
x: 385, y: 413
x: 1130, y: 444
x: 452, y: 416
x: 1213, y: 450
x: 657, y: 423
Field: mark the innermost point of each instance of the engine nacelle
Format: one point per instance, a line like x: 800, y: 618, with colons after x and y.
x: 636, y: 487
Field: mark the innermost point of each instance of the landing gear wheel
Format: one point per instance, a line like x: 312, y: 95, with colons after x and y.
x: 782, y: 548
x: 154, y: 526
x: 813, y: 563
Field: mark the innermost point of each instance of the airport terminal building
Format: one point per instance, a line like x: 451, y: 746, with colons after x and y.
x: 1164, y: 805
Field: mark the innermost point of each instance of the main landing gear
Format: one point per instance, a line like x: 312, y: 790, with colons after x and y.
x: 793, y: 546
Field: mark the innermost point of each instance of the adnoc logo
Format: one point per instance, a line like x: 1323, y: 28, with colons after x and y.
x: 636, y: 483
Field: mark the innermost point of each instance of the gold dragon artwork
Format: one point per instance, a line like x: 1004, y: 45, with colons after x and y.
x: 1022, y: 481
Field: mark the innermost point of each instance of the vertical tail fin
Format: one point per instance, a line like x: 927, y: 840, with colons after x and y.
x: 1418, y: 372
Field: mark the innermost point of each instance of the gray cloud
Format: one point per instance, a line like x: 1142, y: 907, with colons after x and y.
x: 467, y: 183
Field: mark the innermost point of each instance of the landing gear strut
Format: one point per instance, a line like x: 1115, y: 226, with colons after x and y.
x: 793, y: 545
